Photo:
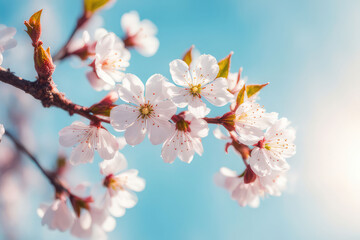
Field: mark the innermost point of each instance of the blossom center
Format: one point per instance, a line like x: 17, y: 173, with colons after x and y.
x: 195, y: 90
x: 115, y: 183
x: 183, y: 125
x: 145, y: 110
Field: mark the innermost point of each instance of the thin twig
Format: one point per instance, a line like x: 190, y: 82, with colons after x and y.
x: 52, y: 178
x: 48, y: 94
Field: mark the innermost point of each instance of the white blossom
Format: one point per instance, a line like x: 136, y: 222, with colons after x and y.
x: 6, y: 39
x: 147, y: 112
x: 120, y: 186
x: 94, y: 220
x: 271, y: 152
x: 88, y: 139
x: 140, y: 34
x: 111, y: 60
x: 185, y: 139
x: 57, y: 216
x: 244, y: 194
x: 196, y: 82
x: 249, y: 194
x: 250, y: 121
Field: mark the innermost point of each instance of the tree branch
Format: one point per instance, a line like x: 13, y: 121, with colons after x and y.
x: 51, y: 177
x: 48, y: 94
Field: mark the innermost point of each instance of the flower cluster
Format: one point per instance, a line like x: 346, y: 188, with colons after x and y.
x: 173, y: 113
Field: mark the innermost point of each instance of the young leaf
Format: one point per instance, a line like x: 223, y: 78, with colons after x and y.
x: 188, y: 56
x: 240, y: 97
x: 224, y: 66
x: 94, y: 5
x: 253, y: 89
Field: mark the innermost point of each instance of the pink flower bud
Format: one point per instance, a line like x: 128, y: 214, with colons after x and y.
x: 43, y: 62
x: 34, y: 27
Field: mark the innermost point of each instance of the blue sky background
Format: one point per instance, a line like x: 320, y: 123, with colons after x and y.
x: 307, y: 50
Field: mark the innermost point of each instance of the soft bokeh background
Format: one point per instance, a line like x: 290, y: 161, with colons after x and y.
x: 308, y: 50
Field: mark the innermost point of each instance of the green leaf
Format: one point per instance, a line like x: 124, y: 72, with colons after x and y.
x: 253, y: 89
x: 35, y: 18
x: 224, y: 66
x: 240, y: 97
x: 188, y: 56
x: 94, y: 5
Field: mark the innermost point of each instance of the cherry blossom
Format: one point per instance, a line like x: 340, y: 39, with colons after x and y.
x: 88, y: 138
x: 185, y: 139
x: 250, y: 121
x: 244, y: 194
x: 57, y: 216
x: 6, y: 39
x: 140, y: 34
x: 2, y: 131
x: 120, y: 187
x: 196, y: 82
x: 274, y: 183
x: 149, y: 113
x: 270, y: 153
x: 111, y: 60
x: 93, y: 220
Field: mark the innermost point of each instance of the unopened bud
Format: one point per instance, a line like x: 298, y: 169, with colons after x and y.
x: 105, y: 105
x: 43, y: 62
x: 34, y: 27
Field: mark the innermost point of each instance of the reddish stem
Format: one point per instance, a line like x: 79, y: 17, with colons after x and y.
x: 47, y: 93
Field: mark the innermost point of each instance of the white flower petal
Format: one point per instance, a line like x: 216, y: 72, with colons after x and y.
x: 159, y: 128
x: 123, y: 116
x: 115, y: 165
x: 131, y: 90
x: 217, y: 93
x: 180, y: 73
x: 198, y: 107
x: 154, y: 88
x: 135, y: 134
x: 83, y: 153
x: 107, y: 144
x: 206, y: 70
x: 199, y: 128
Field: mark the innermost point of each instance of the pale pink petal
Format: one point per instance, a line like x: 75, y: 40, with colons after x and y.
x: 180, y: 73
x: 198, y: 107
x: 126, y: 199
x: 154, y: 88
x: 260, y: 162
x: 199, y: 128
x: 131, y: 90
x: 206, y: 70
x: 123, y: 116
x: 166, y: 109
x: 130, y: 23
x: 107, y: 144
x: 180, y: 96
x: 83, y: 153
x: 115, y: 165
x: 216, y: 92
x: 133, y: 182
x: 147, y: 46
x: 97, y: 83
x: 168, y: 152
x: 135, y: 134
